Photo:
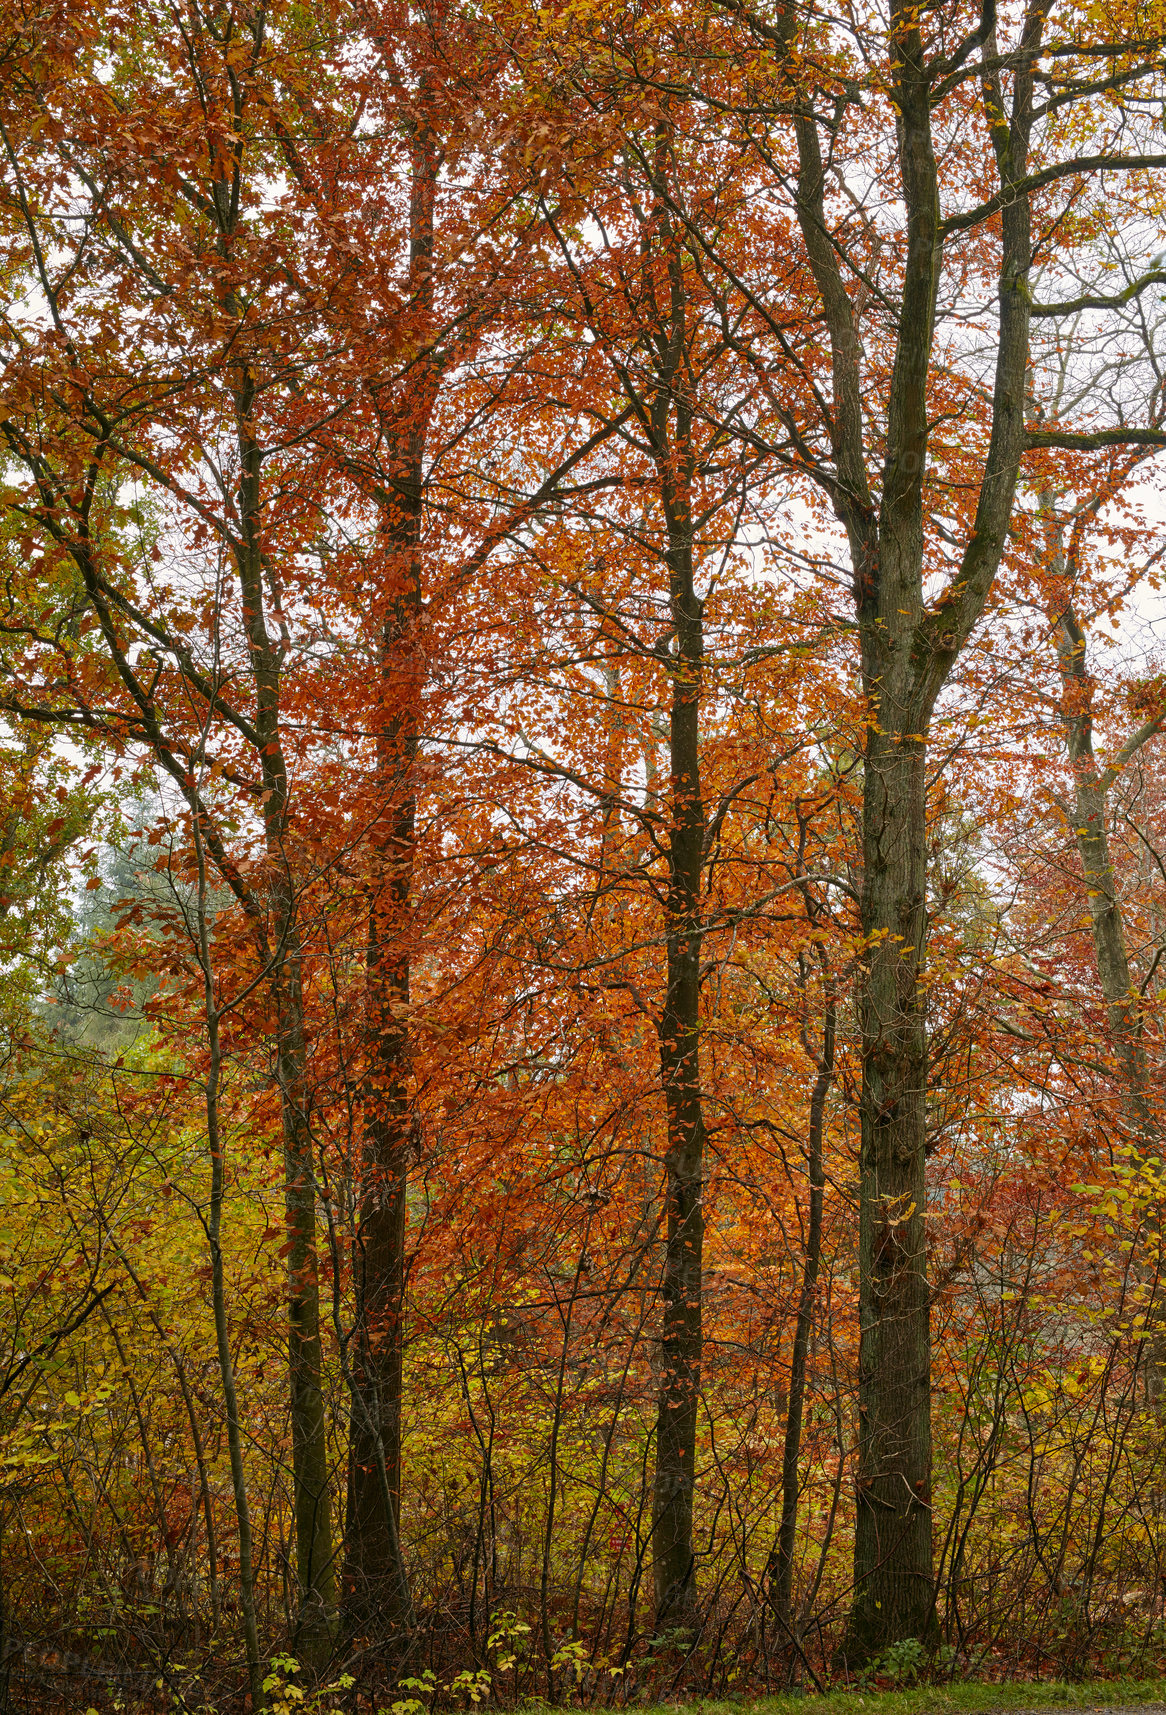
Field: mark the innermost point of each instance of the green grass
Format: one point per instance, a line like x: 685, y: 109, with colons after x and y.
x: 965, y: 1699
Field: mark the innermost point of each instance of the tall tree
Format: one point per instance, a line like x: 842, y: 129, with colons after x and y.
x: 900, y: 488
x: 662, y: 376
x: 91, y: 412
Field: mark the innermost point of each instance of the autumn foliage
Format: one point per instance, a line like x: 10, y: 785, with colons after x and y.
x: 582, y: 849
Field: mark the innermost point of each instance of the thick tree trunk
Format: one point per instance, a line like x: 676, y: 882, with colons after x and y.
x: 892, y: 1554
x: 893, y: 1547
x: 908, y: 649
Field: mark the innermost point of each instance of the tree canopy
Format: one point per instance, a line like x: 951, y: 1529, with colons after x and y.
x: 582, y: 848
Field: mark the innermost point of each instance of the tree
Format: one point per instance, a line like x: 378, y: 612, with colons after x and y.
x: 82, y: 422
x: 912, y: 497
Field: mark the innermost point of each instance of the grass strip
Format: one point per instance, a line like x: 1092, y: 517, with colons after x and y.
x: 968, y: 1698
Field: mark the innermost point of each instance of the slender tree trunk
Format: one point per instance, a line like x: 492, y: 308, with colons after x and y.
x: 214, y: 1232
x: 377, y: 1590
x: 682, y: 1285
x: 310, y: 1469
x: 376, y: 1581
x: 892, y: 1552
x: 175, y: 1357
x: 1091, y: 832
x: 5, y: 1626
x: 781, y: 1565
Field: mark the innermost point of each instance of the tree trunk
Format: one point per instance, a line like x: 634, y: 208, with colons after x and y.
x: 5, y: 1638
x: 214, y: 1233
x: 682, y: 1286
x: 892, y: 1553
x: 781, y: 1565
x: 1090, y: 830
x: 315, y: 1572
x: 893, y: 1546
x: 908, y: 649
x: 376, y: 1582
x: 312, y: 1635
x: 893, y: 1525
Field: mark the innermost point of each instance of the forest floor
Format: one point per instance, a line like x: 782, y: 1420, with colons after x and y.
x: 1097, y: 1697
